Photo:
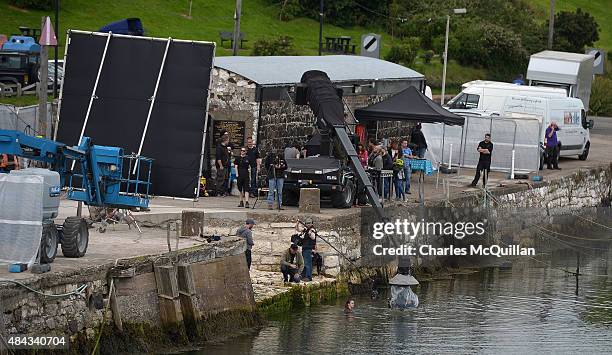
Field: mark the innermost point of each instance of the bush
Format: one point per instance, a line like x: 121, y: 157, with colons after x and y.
x: 495, y: 48
x: 601, y: 101
x: 290, y: 9
x: 453, y: 45
x: 34, y: 4
x: 282, y: 45
x: 402, y: 54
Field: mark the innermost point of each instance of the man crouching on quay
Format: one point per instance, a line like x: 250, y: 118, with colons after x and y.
x: 292, y: 264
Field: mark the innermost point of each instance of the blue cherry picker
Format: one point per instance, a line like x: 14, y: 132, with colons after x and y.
x: 99, y: 176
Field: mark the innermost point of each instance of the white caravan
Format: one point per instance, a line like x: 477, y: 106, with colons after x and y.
x: 568, y: 113
x: 570, y: 71
x: 489, y: 96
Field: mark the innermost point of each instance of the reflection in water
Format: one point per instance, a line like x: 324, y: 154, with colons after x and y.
x: 532, y: 307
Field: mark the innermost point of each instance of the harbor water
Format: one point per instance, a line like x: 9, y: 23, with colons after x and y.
x: 535, y: 306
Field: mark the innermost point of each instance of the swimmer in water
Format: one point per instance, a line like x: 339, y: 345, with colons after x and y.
x: 349, y: 306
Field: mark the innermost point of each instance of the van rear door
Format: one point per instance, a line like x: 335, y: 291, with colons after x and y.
x: 571, y: 135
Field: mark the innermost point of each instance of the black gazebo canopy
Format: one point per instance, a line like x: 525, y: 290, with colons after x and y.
x: 408, y: 105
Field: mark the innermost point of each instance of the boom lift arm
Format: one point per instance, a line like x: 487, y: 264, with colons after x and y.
x: 102, y: 180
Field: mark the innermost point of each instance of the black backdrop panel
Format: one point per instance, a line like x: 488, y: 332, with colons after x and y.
x: 127, y: 82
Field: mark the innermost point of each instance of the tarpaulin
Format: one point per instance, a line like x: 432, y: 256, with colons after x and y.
x: 21, y: 213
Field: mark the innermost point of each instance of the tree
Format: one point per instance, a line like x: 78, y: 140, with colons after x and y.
x: 492, y: 47
x: 574, y: 31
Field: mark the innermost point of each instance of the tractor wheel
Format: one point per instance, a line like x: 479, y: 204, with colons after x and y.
x: 345, y: 198
x: 48, y: 243
x: 75, y: 238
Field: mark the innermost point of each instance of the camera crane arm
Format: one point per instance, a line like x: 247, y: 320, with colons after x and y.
x: 317, y: 91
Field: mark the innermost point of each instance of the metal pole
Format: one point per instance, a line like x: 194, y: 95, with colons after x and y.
x: 460, y: 161
x: 159, y: 75
x: 61, y: 93
x: 205, y: 133
x: 43, y: 87
x: 93, y: 92
x: 551, y: 24
x: 321, y: 9
x: 236, y: 37
x: 445, y: 60
x: 95, y: 88
x: 57, y: 5
x: 443, y: 139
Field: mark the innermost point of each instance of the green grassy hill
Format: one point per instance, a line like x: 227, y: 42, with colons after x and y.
x: 601, y: 9
x: 168, y: 18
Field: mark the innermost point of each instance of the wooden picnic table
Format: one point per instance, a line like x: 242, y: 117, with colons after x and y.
x: 229, y: 36
x: 339, y: 44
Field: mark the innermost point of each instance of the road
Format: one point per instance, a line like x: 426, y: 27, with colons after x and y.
x: 603, y: 127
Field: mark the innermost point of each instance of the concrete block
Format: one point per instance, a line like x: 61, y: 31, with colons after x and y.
x: 310, y: 200
x: 192, y: 223
x: 331, y: 261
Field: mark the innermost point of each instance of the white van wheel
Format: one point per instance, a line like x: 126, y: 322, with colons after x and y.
x: 585, y: 152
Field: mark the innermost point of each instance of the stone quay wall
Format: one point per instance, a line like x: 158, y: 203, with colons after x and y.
x: 221, y: 291
x: 514, y: 215
x: 272, y: 236
x: 509, y: 212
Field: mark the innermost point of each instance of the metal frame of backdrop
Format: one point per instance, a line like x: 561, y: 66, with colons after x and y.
x: 156, y: 86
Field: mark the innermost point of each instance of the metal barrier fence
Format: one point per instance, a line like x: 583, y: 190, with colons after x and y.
x: 24, y: 119
x: 515, y: 143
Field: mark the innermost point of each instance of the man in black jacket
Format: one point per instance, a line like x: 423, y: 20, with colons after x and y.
x: 485, y: 148
x: 387, y: 165
x: 255, y: 159
x: 418, y: 139
x: 222, y: 157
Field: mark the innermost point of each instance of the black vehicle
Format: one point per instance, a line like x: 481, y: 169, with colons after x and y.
x: 18, y: 68
x: 335, y: 179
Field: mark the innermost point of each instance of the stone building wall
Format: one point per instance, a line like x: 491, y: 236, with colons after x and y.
x: 233, y: 98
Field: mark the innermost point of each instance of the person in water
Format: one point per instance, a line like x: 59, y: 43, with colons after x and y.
x: 349, y: 306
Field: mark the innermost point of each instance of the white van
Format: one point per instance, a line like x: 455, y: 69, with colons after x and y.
x: 568, y: 113
x: 489, y: 96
